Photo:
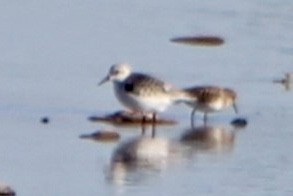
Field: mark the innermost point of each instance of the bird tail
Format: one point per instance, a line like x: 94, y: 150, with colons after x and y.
x: 181, y: 96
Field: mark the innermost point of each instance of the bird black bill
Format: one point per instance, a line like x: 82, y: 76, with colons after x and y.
x: 235, y: 108
x: 106, y: 79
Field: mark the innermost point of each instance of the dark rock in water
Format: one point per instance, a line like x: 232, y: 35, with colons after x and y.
x: 102, y: 136
x: 45, y: 120
x: 127, y: 118
x: 199, y: 40
x: 5, y: 190
x: 286, y: 81
x: 239, y: 122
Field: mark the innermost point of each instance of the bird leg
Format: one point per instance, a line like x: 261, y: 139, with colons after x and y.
x: 235, y: 108
x: 205, y: 118
x: 143, y: 122
x: 192, y: 117
x: 154, y: 121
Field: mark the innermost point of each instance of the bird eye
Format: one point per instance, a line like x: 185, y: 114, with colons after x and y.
x: 115, y: 72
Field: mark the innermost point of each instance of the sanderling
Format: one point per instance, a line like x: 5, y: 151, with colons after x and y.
x: 141, y: 92
x: 208, y: 99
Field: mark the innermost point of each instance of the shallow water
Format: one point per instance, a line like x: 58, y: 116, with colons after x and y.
x: 54, y: 53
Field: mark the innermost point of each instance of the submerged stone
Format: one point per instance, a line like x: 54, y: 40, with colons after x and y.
x: 6, y: 190
x: 127, y: 118
x: 199, y: 40
x: 102, y: 136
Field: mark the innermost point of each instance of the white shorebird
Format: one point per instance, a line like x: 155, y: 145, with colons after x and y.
x: 209, y: 99
x: 141, y: 92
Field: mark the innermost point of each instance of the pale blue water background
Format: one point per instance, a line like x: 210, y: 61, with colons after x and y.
x: 53, y: 54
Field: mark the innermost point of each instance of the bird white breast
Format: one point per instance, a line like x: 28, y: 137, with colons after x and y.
x: 142, y: 103
x: 214, y: 106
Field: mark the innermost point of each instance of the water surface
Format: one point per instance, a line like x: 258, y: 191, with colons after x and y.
x: 54, y: 53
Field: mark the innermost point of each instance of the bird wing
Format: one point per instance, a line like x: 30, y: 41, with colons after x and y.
x: 204, y: 93
x: 142, y: 84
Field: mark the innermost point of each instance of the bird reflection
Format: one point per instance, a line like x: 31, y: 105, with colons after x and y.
x: 137, y: 157
x: 209, y: 138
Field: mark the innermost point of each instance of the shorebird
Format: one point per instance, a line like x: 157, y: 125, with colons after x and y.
x: 209, y: 99
x: 141, y: 92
